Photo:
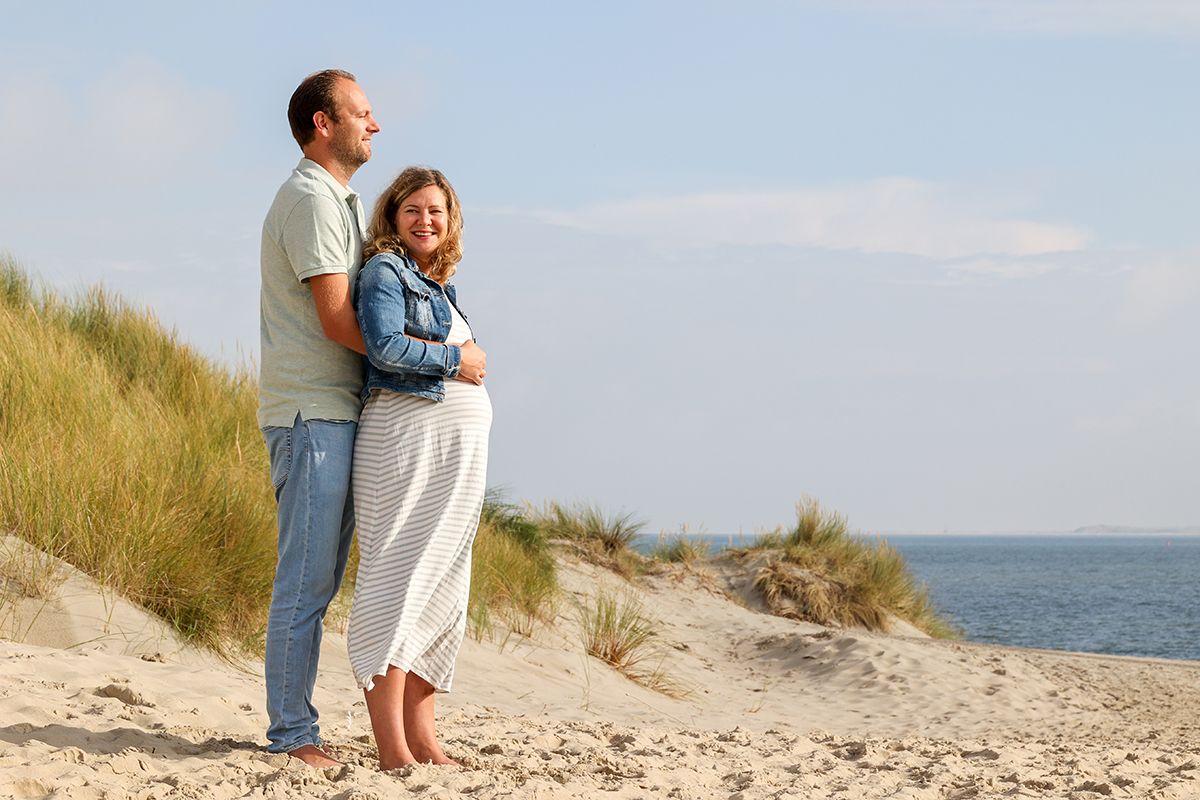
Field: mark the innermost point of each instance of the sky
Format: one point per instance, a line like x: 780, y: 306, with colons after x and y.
x: 934, y: 264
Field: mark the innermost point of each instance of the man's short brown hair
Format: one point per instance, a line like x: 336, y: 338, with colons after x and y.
x: 315, y: 93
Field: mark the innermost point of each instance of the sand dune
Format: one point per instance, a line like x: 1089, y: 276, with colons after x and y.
x: 774, y: 709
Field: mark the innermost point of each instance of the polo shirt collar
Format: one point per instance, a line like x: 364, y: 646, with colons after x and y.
x: 315, y: 170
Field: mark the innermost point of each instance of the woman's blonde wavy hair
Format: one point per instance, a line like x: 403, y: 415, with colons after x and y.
x: 382, y: 236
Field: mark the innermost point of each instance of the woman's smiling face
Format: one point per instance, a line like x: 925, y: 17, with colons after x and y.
x: 421, y: 223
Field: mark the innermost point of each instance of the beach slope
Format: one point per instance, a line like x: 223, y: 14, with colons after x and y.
x: 759, y: 707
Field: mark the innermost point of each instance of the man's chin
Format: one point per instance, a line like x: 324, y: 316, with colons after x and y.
x: 352, y: 160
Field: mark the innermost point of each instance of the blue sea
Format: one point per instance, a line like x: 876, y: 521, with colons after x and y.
x: 1099, y: 593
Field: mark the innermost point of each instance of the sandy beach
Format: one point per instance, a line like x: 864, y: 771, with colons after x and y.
x: 99, y: 700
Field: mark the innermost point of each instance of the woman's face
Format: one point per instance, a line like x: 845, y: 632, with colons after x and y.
x: 421, y: 222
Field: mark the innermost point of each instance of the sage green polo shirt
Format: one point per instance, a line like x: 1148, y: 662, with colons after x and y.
x: 316, y: 226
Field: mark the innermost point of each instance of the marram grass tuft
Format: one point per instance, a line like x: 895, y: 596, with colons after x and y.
x: 820, y: 573
x: 135, y: 459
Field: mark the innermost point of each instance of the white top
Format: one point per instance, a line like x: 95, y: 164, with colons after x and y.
x: 460, y: 330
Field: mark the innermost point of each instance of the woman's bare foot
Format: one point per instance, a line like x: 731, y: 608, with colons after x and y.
x: 434, y: 755
x: 386, y: 764
x: 314, y: 756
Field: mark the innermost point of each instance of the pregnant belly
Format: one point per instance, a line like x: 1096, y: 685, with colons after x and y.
x: 467, y: 397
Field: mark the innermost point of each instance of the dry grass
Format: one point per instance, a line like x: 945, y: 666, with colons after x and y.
x: 616, y: 631
x: 597, y: 537
x: 821, y: 573
x: 27, y: 572
x: 134, y: 459
x: 588, y: 523
x: 679, y: 549
x: 513, y: 575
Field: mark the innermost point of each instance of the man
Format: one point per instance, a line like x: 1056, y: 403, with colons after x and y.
x: 309, y: 389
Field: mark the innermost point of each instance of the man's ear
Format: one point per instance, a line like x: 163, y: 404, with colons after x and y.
x: 321, y: 123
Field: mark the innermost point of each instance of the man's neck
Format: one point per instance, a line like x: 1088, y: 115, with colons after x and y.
x: 334, y: 167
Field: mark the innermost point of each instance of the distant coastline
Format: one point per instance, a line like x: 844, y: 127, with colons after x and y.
x: 1085, y: 530
x: 1186, y: 530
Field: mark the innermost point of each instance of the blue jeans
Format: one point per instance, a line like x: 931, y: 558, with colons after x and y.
x: 310, y: 469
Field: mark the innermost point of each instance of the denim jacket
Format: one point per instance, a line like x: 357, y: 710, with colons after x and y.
x: 395, y: 301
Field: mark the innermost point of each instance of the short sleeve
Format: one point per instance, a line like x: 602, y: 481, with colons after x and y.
x: 314, y: 237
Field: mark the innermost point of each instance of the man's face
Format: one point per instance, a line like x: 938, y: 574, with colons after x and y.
x: 354, y: 127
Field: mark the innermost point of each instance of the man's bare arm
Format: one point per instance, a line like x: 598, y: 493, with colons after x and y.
x: 331, y: 293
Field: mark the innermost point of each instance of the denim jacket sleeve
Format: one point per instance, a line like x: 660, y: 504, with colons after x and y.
x: 381, y: 317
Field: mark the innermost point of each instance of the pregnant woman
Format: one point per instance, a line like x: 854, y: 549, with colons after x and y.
x: 420, y: 463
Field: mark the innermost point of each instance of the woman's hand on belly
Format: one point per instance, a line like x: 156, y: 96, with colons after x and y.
x: 473, y: 365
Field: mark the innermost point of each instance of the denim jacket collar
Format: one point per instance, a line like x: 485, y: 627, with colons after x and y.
x: 413, y: 277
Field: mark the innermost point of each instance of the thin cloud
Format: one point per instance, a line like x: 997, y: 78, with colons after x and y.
x: 1167, y: 18
x: 892, y: 215
x: 1161, y: 289
x: 1000, y: 269
x: 131, y: 125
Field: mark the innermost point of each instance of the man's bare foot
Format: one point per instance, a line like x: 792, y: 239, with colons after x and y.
x: 314, y: 756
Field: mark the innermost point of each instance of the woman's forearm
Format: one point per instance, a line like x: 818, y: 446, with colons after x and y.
x: 381, y: 314
x: 399, y: 352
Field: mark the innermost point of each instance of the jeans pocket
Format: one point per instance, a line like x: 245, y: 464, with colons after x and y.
x: 279, y: 451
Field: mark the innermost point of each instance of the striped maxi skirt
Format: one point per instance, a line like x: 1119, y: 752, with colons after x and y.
x: 419, y: 476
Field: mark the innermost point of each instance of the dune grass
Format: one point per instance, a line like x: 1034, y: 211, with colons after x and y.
x: 513, y: 575
x: 135, y: 459
x: 600, y: 538
x: 616, y: 631
x: 588, y: 523
x: 819, y: 572
x: 26, y: 572
x: 679, y: 549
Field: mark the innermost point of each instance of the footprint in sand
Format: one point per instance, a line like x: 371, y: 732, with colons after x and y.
x: 125, y: 693
x: 29, y: 788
